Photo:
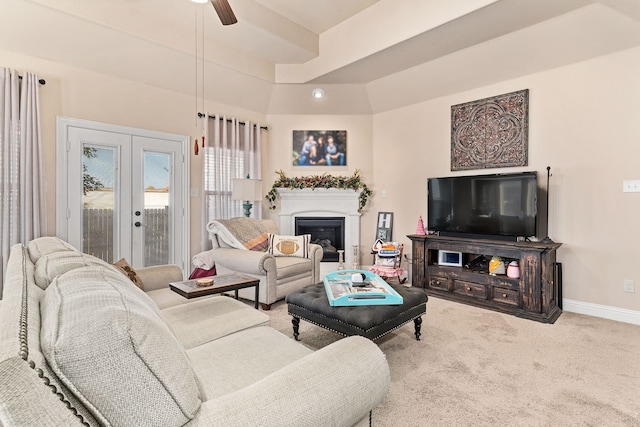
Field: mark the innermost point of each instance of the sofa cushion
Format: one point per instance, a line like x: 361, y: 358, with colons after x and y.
x: 105, y: 340
x: 292, y: 266
x: 204, y: 320
x: 47, y: 245
x: 296, y: 246
x: 49, y: 266
x: 165, y: 298
x: 239, y: 360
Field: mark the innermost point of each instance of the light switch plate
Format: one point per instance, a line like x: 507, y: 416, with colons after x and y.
x: 629, y: 285
x: 631, y: 186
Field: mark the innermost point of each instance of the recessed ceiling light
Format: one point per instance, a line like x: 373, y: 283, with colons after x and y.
x: 199, y: 1
x: 317, y: 93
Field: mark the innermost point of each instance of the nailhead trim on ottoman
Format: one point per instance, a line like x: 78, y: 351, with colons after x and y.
x: 370, y: 321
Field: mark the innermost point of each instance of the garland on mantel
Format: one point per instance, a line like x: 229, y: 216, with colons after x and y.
x: 352, y: 182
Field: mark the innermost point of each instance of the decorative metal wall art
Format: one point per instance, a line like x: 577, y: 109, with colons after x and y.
x: 491, y: 132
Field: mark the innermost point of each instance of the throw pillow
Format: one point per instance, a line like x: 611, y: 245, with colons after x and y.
x: 125, y: 268
x: 297, y: 246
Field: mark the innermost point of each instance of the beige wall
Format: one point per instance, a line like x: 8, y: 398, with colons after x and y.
x: 359, y: 152
x: 82, y: 94
x: 583, y: 123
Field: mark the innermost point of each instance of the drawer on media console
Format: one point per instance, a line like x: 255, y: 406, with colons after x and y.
x: 470, y: 289
x: 506, y: 296
x: 439, y: 282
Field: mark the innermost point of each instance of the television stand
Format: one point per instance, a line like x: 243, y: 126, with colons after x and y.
x: 533, y: 296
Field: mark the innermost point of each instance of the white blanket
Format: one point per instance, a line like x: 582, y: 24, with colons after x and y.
x: 203, y: 260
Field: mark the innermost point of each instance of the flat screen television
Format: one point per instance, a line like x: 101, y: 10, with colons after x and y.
x: 492, y: 206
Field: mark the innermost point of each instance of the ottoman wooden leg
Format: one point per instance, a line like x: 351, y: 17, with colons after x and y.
x: 418, y: 324
x: 296, y: 326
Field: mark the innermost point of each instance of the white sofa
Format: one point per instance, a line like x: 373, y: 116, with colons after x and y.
x: 278, y: 275
x: 80, y: 344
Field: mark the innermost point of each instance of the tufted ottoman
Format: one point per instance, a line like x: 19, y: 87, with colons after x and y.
x: 370, y: 321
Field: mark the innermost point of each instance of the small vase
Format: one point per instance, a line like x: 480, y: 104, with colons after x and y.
x: 513, y: 270
x: 340, y: 259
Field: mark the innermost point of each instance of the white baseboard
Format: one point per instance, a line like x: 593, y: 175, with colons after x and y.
x: 604, y: 311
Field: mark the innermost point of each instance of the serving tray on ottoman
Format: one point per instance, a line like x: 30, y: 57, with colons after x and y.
x: 370, y: 321
x: 370, y: 290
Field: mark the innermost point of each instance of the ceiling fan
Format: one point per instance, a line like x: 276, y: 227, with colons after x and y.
x: 224, y: 12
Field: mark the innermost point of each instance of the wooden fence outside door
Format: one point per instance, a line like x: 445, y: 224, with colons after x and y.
x: 98, y: 235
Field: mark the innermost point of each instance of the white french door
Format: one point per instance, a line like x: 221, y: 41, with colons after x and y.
x: 122, y: 192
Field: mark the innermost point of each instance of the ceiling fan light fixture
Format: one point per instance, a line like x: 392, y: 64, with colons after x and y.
x: 226, y: 15
x: 317, y: 93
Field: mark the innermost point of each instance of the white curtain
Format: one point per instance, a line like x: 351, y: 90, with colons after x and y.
x: 22, y: 200
x: 232, y: 150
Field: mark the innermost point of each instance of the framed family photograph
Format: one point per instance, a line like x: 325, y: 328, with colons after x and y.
x: 319, y: 148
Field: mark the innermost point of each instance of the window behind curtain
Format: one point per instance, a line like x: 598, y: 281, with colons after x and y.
x: 232, y: 151
x: 220, y: 167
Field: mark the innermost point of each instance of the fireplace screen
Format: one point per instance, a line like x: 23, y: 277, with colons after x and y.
x: 327, y: 232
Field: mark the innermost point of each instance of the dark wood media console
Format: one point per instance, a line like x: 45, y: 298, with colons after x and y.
x: 533, y: 296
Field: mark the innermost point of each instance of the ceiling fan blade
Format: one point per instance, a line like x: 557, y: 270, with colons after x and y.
x: 224, y: 12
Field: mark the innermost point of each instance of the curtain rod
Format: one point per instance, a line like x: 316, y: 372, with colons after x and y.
x: 201, y: 115
x: 41, y: 81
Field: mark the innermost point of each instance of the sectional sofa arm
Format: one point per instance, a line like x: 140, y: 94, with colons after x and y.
x: 251, y: 262
x: 337, y: 385
x: 159, y: 276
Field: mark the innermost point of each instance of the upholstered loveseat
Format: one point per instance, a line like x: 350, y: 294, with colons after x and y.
x: 242, y: 245
x: 80, y: 344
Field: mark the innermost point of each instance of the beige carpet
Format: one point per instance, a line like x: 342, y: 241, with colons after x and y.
x: 475, y: 367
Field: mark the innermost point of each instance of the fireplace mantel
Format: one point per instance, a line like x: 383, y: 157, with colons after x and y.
x: 322, y: 202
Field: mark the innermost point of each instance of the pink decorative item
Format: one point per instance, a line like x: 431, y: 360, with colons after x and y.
x: 513, y: 270
x: 420, y: 229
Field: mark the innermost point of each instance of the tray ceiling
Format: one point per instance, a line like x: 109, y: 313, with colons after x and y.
x: 279, y: 45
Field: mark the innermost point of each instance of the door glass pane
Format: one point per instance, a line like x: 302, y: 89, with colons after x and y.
x: 98, y: 221
x: 157, y: 196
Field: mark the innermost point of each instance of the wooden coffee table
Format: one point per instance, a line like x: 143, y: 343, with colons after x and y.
x: 222, y: 283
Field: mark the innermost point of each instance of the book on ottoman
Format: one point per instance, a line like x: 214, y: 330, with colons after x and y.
x: 359, y: 287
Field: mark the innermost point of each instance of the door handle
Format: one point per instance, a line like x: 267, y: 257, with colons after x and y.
x: 137, y: 224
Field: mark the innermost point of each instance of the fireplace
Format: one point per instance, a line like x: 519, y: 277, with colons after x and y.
x: 322, y: 203
x: 327, y: 232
